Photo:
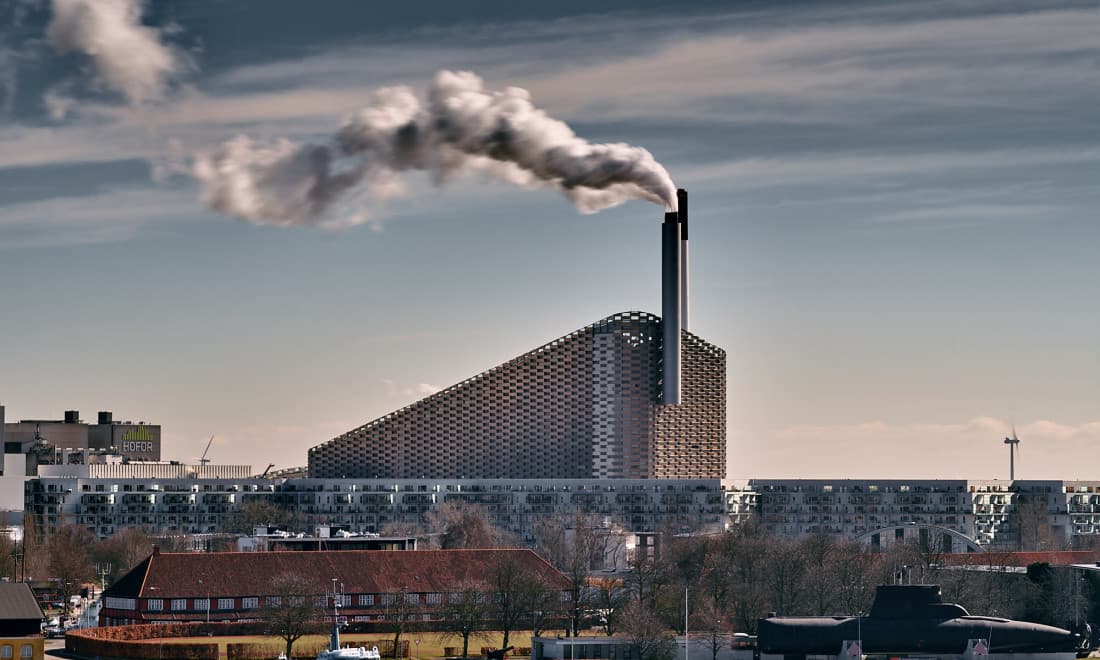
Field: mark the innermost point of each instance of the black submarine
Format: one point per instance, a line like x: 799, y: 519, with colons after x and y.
x: 909, y: 619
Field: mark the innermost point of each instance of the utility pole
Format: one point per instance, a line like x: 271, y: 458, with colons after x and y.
x: 685, y: 623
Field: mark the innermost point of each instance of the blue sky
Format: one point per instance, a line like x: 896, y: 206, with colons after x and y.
x: 893, y: 210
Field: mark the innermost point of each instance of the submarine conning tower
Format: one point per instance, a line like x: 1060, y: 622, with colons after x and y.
x: 906, y: 601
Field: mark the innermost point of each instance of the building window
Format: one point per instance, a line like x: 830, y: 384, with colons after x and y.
x: 179, y: 604
x: 26, y: 651
x: 5, y: 651
x: 274, y: 601
x: 250, y: 603
x: 412, y: 599
x: 433, y: 599
x: 202, y: 603
x: 225, y: 603
x: 366, y: 599
x: 388, y: 599
x: 156, y: 604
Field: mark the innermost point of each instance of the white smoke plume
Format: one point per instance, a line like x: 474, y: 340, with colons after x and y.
x: 128, y: 56
x: 456, y: 126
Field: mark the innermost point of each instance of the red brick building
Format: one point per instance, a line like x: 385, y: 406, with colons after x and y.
x: 236, y: 586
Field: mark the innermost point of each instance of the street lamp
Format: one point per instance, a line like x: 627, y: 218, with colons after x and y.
x: 207, y: 592
x: 859, y: 632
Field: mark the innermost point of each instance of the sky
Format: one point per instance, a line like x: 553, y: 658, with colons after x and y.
x: 894, y: 230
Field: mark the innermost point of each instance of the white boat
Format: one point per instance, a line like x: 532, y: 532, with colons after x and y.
x: 350, y: 652
x: 334, y: 652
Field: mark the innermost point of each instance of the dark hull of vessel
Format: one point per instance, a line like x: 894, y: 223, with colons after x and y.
x: 910, y: 619
x: 824, y: 635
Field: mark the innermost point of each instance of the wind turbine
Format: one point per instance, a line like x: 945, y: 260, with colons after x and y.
x: 1013, y: 451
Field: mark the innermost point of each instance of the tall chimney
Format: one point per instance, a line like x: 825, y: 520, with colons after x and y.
x: 682, y: 211
x: 670, y: 306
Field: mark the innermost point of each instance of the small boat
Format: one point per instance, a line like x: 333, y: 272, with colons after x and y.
x: 334, y: 652
x: 350, y: 652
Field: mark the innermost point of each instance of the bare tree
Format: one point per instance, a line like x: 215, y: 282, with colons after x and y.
x: 289, y: 612
x: 646, y: 632
x: 745, y: 551
x: 709, y: 617
x: 398, y: 609
x: 785, y: 576
x: 572, y: 546
x: 123, y: 551
x: 462, y: 525
x: 69, y: 562
x: 609, y: 595
x: 542, y: 600
x: 466, y: 613
x: 517, y: 595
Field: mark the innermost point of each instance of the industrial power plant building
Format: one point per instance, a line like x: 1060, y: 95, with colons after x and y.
x: 585, y: 406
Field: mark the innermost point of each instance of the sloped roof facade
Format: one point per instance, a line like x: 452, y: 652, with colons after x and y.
x: 196, y: 575
x: 17, y: 601
x: 585, y: 405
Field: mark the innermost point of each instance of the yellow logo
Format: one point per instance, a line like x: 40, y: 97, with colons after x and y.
x: 138, y: 434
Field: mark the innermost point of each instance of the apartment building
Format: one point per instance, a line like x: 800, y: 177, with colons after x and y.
x: 955, y: 513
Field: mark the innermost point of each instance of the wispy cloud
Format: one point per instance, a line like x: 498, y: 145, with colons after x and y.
x: 819, y: 73
x: 419, y: 390
x: 108, y: 216
x: 781, y: 171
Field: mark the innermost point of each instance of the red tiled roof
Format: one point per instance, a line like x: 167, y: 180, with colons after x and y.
x: 1055, y: 558
x: 197, y: 575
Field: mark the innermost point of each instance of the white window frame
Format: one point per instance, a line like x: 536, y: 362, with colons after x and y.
x: 179, y: 604
x: 225, y: 604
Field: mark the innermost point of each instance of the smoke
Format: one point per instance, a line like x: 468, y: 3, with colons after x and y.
x: 128, y: 56
x: 456, y: 127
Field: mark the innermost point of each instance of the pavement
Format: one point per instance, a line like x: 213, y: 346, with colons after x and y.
x: 54, y: 645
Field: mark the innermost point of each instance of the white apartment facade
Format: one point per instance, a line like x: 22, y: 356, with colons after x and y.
x: 955, y: 513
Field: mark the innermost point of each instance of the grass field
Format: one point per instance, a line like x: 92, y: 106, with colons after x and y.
x: 431, y: 645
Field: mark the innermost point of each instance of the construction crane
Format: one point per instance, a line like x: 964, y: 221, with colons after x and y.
x: 266, y: 470
x: 204, y: 460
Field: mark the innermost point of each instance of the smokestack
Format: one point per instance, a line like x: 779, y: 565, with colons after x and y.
x: 682, y: 211
x: 670, y: 304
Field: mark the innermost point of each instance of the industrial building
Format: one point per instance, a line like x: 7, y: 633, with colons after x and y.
x: 68, y: 439
x: 584, y: 406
